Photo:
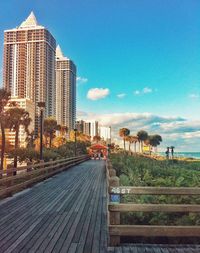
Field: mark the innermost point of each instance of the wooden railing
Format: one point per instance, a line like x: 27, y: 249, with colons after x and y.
x: 33, y: 173
x: 116, y: 229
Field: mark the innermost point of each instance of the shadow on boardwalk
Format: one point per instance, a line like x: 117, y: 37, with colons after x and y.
x: 66, y: 213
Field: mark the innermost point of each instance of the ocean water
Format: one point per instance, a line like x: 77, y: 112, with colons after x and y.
x: 195, y: 155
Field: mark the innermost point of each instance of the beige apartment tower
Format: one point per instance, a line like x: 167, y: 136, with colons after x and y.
x: 65, y: 90
x: 29, y: 64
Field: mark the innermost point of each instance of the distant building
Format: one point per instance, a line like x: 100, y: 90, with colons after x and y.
x: 80, y: 126
x: 105, y: 133
x: 28, y: 106
x: 65, y: 90
x: 87, y: 128
x: 94, y: 128
x: 29, y: 64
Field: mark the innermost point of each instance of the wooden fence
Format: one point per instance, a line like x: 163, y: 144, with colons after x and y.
x: 33, y: 173
x: 116, y: 229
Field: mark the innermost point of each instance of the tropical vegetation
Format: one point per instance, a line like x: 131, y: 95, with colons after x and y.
x: 137, y: 170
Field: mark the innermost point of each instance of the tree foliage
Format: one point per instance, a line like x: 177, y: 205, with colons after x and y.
x: 124, y: 132
x: 17, y: 117
x: 4, y: 98
x: 50, y: 127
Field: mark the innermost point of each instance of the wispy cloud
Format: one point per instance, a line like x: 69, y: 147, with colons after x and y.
x: 145, y: 90
x: 81, y: 80
x: 121, y: 95
x: 98, y: 93
x: 194, y: 95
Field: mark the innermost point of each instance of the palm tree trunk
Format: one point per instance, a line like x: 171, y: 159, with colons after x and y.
x: 129, y: 147
x: 124, y: 145
x: 135, y: 147
x: 16, y: 146
x: 50, y: 140
x: 2, y: 146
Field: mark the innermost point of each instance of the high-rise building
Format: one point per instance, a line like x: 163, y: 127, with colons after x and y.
x: 29, y: 64
x: 65, y: 90
x: 87, y: 128
x: 94, y: 129
x: 80, y: 126
x: 105, y: 133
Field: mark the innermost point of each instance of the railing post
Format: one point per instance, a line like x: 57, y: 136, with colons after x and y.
x: 10, y: 174
x: 29, y: 168
x: 114, y: 216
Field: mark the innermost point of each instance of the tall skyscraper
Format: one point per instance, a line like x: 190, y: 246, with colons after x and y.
x: 65, y: 90
x: 29, y: 64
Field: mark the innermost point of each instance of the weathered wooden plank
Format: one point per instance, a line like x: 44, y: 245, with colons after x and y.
x: 71, y: 203
x: 51, y: 192
x: 21, y: 226
x: 155, y: 190
x: 68, y: 225
x: 37, y: 236
x: 147, y: 230
x: 130, y: 207
x: 83, y: 241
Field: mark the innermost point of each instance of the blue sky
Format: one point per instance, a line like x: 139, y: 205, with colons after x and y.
x: 147, y: 50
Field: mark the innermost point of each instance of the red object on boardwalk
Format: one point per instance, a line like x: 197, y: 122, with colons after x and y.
x: 97, y: 149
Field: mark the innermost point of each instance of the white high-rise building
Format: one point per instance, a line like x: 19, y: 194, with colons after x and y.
x: 94, y: 128
x: 29, y: 64
x: 105, y: 133
x: 65, y: 90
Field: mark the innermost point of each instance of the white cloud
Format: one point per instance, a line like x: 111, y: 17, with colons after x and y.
x: 182, y: 133
x: 137, y: 92
x: 81, y: 80
x: 98, y: 93
x: 194, y: 95
x: 145, y: 90
x: 121, y: 95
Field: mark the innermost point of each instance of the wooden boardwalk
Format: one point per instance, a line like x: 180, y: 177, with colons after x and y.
x: 66, y: 213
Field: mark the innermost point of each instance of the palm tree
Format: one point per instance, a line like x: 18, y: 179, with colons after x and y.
x: 123, y: 132
x: 134, y: 139
x: 4, y: 98
x: 128, y: 139
x: 63, y: 130
x: 50, y: 127
x: 18, y: 117
x: 154, y: 140
x: 96, y: 138
x: 142, y: 136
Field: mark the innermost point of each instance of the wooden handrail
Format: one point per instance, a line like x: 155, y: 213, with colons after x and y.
x: 146, y: 190
x: 175, y: 208
x: 14, y: 183
x: 29, y: 173
x: 34, y: 166
x: 146, y: 230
